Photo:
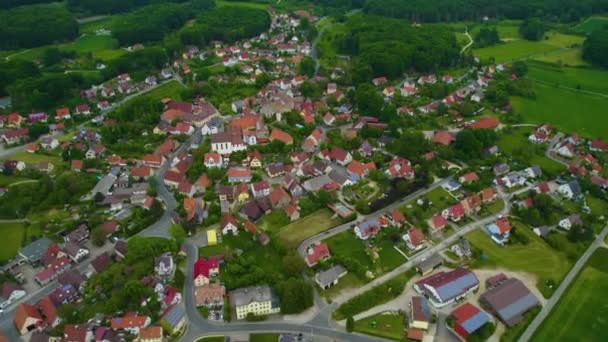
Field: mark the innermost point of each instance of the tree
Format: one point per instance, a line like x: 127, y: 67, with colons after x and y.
x: 98, y: 236
x: 532, y: 29
x: 307, y: 66
x: 595, y: 48
x: 51, y: 56
x: 293, y: 264
x: 368, y: 100
x: 350, y: 324
x: 519, y: 68
x: 296, y: 295
x: 178, y: 234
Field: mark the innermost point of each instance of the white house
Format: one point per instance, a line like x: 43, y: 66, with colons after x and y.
x: 570, y: 221
x: 571, y: 190
x: 10, y: 293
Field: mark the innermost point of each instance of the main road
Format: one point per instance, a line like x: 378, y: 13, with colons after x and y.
x: 548, y: 307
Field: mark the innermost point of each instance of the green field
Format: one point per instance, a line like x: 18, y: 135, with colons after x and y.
x: 580, y: 315
x: 11, y: 243
x: 171, y: 89
x: 212, y: 339
x: 591, y: 24
x: 565, y: 109
x: 536, y: 257
x: 256, y: 5
x: 347, y: 245
x: 570, y: 57
x: 588, y: 79
x: 386, y: 325
x: 294, y: 233
x: 506, y: 29
x: 517, y: 141
x: 102, y: 23
x: 263, y: 337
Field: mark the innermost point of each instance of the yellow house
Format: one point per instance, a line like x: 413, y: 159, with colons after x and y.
x: 259, y: 301
x: 211, y: 237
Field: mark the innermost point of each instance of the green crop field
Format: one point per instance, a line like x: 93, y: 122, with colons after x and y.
x: 591, y: 24
x: 589, y: 79
x: 536, y: 257
x: 517, y: 49
x: 569, y: 57
x: 11, y: 242
x: 580, y: 315
x: 568, y: 110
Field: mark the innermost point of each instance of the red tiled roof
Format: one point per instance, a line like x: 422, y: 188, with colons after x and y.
x: 203, y: 267
x: 149, y: 333
x: 486, y: 123
x: 48, y: 309
x: 443, y: 137
x: 438, y: 221
x: 316, y: 253
x: 23, y: 312
x: 416, y: 236
x: 130, y: 321
x: 278, y: 134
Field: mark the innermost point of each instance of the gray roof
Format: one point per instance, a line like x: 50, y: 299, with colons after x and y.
x: 429, y: 263
x: 174, y: 315
x: 248, y: 295
x: 314, y: 184
x: 327, y: 277
x: 510, y: 300
x: 105, y: 184
x: 34, y: 251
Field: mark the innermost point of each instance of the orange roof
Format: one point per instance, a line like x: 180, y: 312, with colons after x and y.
x: 190, y: 207
x: 129, y: 321
x: 443, y: 137
x: 486, y: 123
x: 278, y: 134
x: 250, y: 227
x: 62, y: 111
x: 23, y: 312
x: 245, y: 122
x: 203, y: 181
x: 152, y: 332
x: 77, y: 164
x: 172, y: 114
x: 415, y: 334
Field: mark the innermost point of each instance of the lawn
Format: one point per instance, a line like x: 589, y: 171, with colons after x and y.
x: 35, y: 158
x: 589, y: 79
x: 347, y: 245
x: 581, y: 313
x: 6, y: 180
x: 294, y: 233
x: 263, y: 337
x: 496, y: 207
x: 597, y: 206
x: 171, y: 89
x: 591, y: 24
x: 567, y: 110
x: 513, y: 50
x: 440, y: 199
x: 11, y: 243
x: 389, y: 325
x: 536, y: 257
x: 349, y: 281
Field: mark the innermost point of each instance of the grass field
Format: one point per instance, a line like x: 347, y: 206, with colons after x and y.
x: 11, y: 242
x: 386, y: 325
x: 263, y: 337
x: 440, y: 199
x: 294, y: 233
x: 171, y: 89
x: 570, y: 57
x: 221, y: 3
x: 8, y: 180
x: 506, y: 29
x: 102, y: 23
x: 580, y: 315
x: 347, y: 245
x: 349, y: 281
x: 537, y: 257
x: 589, y: 79
x: 591, y: 24
x: 567, y: 110
x: 212, y: 339
x: 517, y: 141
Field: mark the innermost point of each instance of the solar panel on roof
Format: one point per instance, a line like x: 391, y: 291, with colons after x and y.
x: 518, y: 307
x: 457, y: 287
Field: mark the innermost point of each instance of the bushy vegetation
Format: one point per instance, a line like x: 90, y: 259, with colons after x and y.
x: 227, y: 24
x: 595, y: 48
x: 455, y: 10
x: 111, y: 6
x: 383, y: 47
x: 31, y: 26
x: 486, y: 37
x: 140, y: 62
x: 532, y: 29
x: 12, y: 71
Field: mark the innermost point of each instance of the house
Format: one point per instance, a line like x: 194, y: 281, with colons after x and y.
x: 330, y: 277
x: 317, y: 253
x: 130, y: 322
x: 366, y: 229
x: 174, y: 319
x: 76, y: 252
x: 500, y: 230
x: 83, y: 109
x: 454, y: 212
x: 598, y: 145
x: 533, y: 171
x: 33, y: 252
x: 357, y: 170
x: 212, y: 126
x: 469, y: 177
x: 414, y: 238
x: 78, y: 236
x: 260, y: 189
x: 210, y: 296
x: 11, y: 292
x: 485, y: 123
x: 489, y: 195
x: 212, y: 159
x: 62, y: 113
x: 570, y: 221
x: 48, y: 309
x: 400, y: 168
x: 253, y: 160
x: 239, y: 175
x: 203, y: 271
x: 150, y: 334
x: 275, y: 169
x: 462, y: 249
x: 37, y: 117
x: 509, y: 301
x: 228, y: 224
x: 279, y: 198
x: 77, y: 333
x: 251, y: 210
x: 437, y: 222
x: 443, y: 288
x: 27, y: 318
x: 292, y: 212
x: 14, y: 136
x: 468, y: 319
x: 140, y: 173
x: 48, y: 142
x: 501, y: 169
x: 443, y: 138
x: 258, y: 301
x: 227, y: 142
x: 378, y: 81
x: 570, y: 190
x: 420, y: 313
x: 101, y: 262
x: 76, y: 165
x: 164, y: 267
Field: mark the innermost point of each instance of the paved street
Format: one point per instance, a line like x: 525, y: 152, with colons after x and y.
x: 563, y: 286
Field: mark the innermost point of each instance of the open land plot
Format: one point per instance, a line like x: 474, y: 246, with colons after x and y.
x: 389, y: 325
x: 439, y: 198
x: 6, y: 180
x: 517, y: 141
x: 581, y: 314
x: 589, y: 79
x: 171, y: 89
x: 102, y: 23
x: 591, y: 24
x: 347, y: 245
x: 506, y: 29
x: 294, y: 233
x: 513, y: 50
x: 349, y: 281
x: 12, y: 236
x: 567, y: 110
x: 570, y: 57
x: 263, y: 337
x: 536, y: 257
x: 35, y: 158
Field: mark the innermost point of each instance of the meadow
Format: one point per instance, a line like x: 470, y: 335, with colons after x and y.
x: 11, y: 242
x: 294, y: 233
x: 591, y: 24
x: 588, y: 79
x: 579, y: 316
x: 389, y: 325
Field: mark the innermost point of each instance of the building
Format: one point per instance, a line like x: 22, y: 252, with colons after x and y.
x: 150, y: 334
x: 11, y: 292
x: 164, y: 267
x: 444, y: 288
x: 174, y: 319
x: 228, y: 224
x: 429, y: 264
x: 509, y: 301
x: 367, y: 229
x: 210, y: 295
x: 420, y: 313
x: 259, y: 301
x: 203, y: 271
x: 27, y: 318
x: 130, y: 323
x: 328, y: 278
x: 317, y: 253
x: 468, y: 319
x: 33, y: 252
x: 500, y: 230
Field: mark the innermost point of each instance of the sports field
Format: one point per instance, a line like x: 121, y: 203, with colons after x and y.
x: 568, y: 110
x: 580, y: 315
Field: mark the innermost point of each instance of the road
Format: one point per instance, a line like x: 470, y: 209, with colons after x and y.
x: 339, y: 229
x: 466, y: 32
x: 546, y: 310
x: 550, y: 147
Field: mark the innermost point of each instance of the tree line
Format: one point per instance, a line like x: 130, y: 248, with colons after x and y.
x: 30, y: 26
x: 112, y: 6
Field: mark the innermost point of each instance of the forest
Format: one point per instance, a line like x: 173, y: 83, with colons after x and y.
x: 595, y: 48
x: 30, y: 26
x: 112, y: 6
x: 386, y: 47
x: 456, y: 10
x: 227, y: 24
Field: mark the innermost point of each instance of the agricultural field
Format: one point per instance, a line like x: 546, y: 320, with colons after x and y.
x: 536, y: 257
x: 171, y: 89
x: 12, y: 236
x: 516, y: 141
x: 568, y: 110
x: 294, y: 233
x: 578, y: 315
x: 591, y: 24
x: 569, y: 57
x: 588, y: 79
x: 389, y: 325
